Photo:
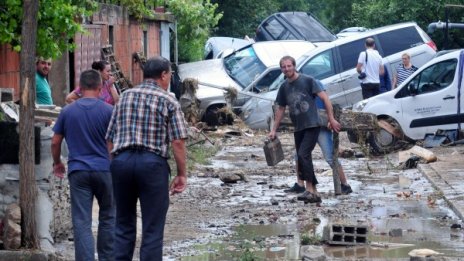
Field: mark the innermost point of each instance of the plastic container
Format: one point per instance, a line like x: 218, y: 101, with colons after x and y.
x: 273, y: 151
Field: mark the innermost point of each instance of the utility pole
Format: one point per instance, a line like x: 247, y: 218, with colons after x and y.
x: 27, y: 184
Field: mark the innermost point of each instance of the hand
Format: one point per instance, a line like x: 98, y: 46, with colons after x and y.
x: 59, y: 170
x: 272, y: 135
x: 178, y: 184
x: 111, y: 79
x: 335, y: 125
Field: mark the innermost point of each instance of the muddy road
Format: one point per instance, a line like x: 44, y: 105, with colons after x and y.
x: 254, y: 219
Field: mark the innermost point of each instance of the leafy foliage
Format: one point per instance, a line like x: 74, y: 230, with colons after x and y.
x: 58, y: 21
x: 195, y: 21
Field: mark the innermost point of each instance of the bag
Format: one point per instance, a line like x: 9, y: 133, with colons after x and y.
x: 273, y: 151
x: 363, y: 75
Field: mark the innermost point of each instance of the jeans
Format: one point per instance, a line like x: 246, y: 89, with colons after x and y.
x: 143, y: 175
x: 305, y: 141
x: 84, y: 186
x: 325, y: 141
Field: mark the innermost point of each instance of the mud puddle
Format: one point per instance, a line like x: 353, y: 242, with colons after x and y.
x: 255, y: 218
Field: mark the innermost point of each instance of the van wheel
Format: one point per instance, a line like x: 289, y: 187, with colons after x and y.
x: 383, y: 142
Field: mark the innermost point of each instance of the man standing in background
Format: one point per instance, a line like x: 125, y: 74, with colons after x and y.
x: 43, y: 91
x: 370, y: 68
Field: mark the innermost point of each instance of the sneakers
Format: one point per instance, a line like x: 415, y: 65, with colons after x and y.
x: 309, y: 197
x: 346, y: 189
x: 295, y: 189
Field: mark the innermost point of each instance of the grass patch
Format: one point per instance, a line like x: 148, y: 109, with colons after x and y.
x: 196, y: 154
x: 307, y: 239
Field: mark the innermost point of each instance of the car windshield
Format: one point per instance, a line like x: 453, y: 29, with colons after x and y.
x: 278, y: 82
x: 244, y: 66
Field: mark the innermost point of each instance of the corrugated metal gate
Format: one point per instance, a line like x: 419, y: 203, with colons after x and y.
x: 88, y: 50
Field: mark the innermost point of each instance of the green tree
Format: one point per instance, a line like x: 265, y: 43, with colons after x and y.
x: 195, y: 22
x: 58, y: 22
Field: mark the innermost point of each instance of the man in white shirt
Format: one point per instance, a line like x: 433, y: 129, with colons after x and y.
x: 370, y: 67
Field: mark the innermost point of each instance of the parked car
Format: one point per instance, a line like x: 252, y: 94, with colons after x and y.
x: 254, y: 65
x: 425, y: 102
x: 218, y: 47
x: 291, y: 26
x: 334, y: 65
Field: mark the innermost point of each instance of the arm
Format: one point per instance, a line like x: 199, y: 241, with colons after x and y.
x: 381, y: 69
x: 279, y: 114
x: 58, y: 166
x: 114, y: 94
x: 180, y: 181
x: 110, y: 146
x: 71, y: 97
x: 394, y: 81
x: 328, y: 107
x: 359, y: 67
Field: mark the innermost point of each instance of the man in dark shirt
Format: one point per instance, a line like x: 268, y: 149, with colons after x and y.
x: 298, y: 93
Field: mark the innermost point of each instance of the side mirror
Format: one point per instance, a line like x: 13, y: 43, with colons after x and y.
x: 413, y: 90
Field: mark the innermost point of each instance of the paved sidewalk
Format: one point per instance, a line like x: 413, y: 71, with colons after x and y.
x: 447, y: 176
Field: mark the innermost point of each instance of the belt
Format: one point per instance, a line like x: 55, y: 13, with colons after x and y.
x: 131, y: 148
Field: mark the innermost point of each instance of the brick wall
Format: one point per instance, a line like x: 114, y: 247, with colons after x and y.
x: 9, y: 69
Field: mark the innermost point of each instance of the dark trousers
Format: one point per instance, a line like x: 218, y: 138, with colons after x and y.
x: 142, y: 175
x: 370, y: 89
x: 305, y: 141
x: 84, y: 186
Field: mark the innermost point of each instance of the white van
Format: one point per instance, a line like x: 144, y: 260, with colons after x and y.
x: 429, y: 100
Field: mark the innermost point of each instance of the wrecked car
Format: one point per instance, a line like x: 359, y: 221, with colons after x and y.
x: 255, y: 65
x: 218, y: 47
x: 428, y: 101
x: 293, y: 25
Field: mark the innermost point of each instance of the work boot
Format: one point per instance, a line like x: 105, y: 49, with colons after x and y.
x: 309, y: 197
x: 346, y: 189
x: 295, y: 189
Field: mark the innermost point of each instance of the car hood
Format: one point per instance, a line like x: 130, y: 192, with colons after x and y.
x: 207, y: 72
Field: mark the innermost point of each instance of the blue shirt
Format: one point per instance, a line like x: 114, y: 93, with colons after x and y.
x: 83, y: 124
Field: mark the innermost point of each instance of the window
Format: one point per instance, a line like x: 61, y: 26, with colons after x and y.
x: 349, y: 53
x: 321, y: 66
x: 244, y: 66
x: 264, y: 83
x: 274, y: 28
x: 399, y: 40
x: 434, y: 78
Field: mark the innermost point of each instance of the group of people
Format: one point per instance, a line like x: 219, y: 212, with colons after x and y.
x: 375, y: 78
x: 118, y: 154
x: 119, y: 146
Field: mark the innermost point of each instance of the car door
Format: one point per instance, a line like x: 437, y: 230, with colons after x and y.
x: 429, y: 100
x: 323, y: 67
x: 349, y: 82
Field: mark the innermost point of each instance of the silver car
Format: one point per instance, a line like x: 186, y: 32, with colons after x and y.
x: 253, y: 67
x: 334, y: 65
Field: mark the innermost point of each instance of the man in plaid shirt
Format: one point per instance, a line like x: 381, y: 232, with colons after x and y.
x: 144, y: 122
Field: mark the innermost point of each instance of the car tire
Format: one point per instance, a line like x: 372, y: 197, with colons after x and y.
x: 214, y: 117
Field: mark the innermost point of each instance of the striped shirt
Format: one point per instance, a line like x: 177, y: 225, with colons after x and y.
x: 402, y: 73
x: 146, y: 117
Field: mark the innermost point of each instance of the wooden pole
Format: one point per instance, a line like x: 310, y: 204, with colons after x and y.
x: 27, y: 184
x: 336, y: 142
